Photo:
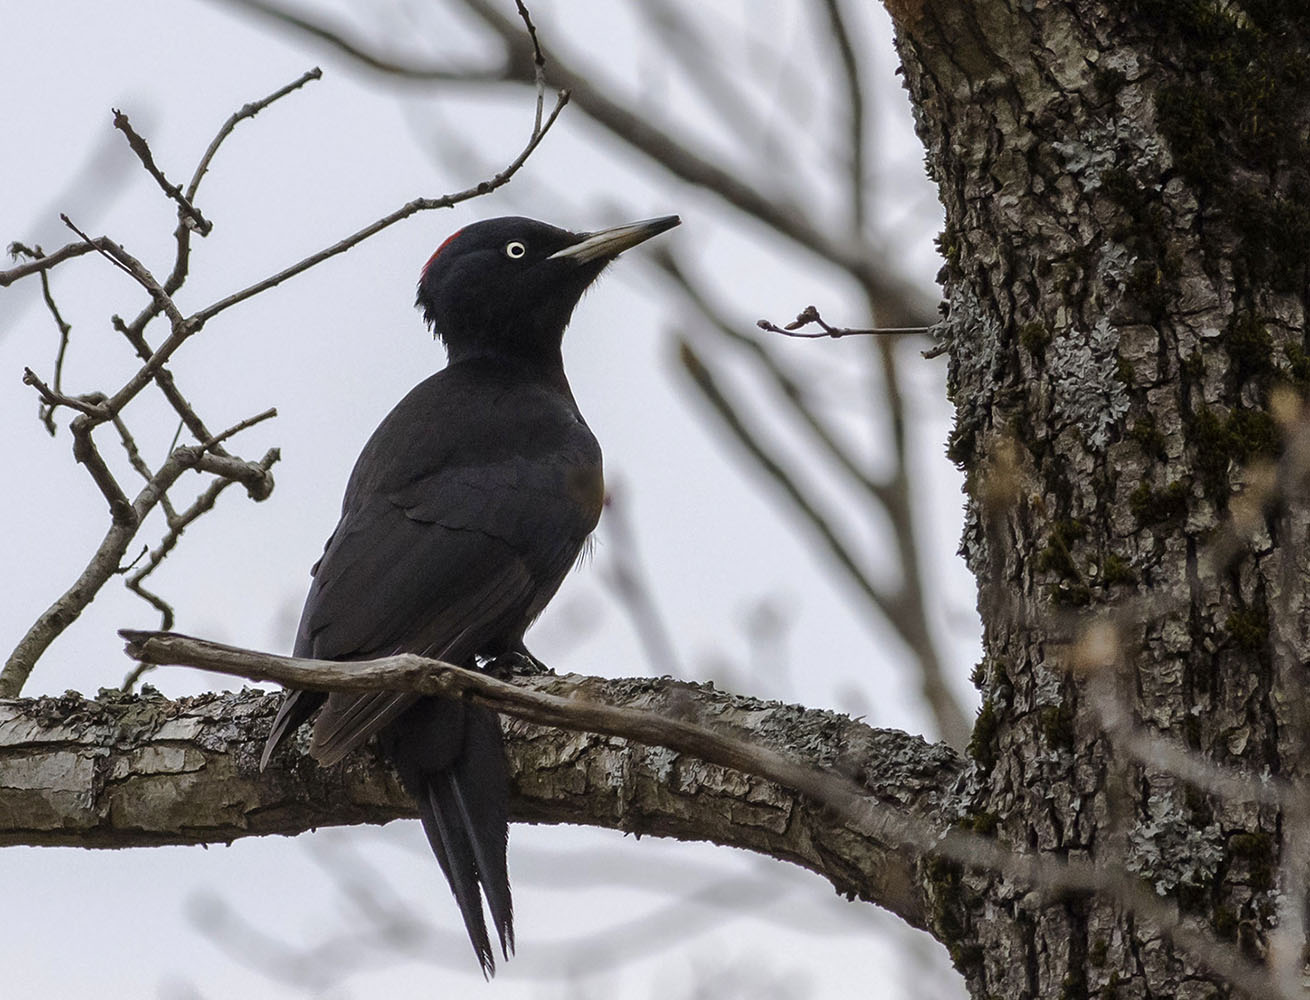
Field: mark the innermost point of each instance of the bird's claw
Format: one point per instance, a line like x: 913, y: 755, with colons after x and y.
x: 515, y: 663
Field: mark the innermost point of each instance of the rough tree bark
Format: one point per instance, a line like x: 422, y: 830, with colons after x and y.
x: 140, y: 771
x: 1126, y: 192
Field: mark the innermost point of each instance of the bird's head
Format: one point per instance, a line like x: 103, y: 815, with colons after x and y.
x: 508, y: 286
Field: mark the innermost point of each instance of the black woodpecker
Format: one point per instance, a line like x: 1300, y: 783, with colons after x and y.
x: 462, y: 516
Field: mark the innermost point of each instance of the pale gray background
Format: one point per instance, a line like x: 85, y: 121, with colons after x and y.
x: 333, y: 350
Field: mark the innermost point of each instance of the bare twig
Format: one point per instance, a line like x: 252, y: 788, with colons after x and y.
x: 55, y: 396
x: 241, y: 114
x: 86, y: 453
x: 177, y: 524
x: 210, y: 443
x: 47, y: 261
x: 624, y: 572
x: 48, y: 415
x: 538, y: 62
x: 52, y: 398
x: 858, y: 189
x: 132, y: 267
x: 163, y: 378
x: 810, y: 315
x: 139, y: 146
x: 134, y: 458
x: 182, y: 234
x: 404, y: 212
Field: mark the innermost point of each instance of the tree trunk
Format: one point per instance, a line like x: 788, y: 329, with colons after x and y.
x: 1127, y: 201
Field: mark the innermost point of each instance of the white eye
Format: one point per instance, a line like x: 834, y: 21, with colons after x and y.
x: 514, y: 249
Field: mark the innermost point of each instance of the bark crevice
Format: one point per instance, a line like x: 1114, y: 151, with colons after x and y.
x: 143, y: 770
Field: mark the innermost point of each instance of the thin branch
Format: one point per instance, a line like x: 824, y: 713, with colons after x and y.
x: 810, y: 315
x: 139, y: 146
x: 335, y: 37
x: 182, y: 234
x: 538, y: 62
x: 163, y: 378
x: 786, y: 385
x: 46, y: 261
x: 210, y: 443
x: 52, y: 398
x: 86, y: 453
x: 177, y: 524
x: 854, y: 110
x: 624, y: 572
x: 134, y: 458
x: 258, y: 486
x: 125, y: 262
x: 241, y: 114
x: 405, y: 211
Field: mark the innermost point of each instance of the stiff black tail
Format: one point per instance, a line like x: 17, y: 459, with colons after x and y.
x: 296, y: 708
x: 451, y: 758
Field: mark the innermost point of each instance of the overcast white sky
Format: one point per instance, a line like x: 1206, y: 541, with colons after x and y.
x: 333, y: 350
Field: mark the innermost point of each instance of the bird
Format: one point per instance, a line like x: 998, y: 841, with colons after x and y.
x: 466, y: 509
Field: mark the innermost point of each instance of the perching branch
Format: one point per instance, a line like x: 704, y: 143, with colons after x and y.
x: 857, y: 787
x: 187, y: 772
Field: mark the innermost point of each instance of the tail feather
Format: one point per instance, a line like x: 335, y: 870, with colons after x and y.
x: 480, y: 782
x: 295, y: 709
x: 451, y: 758
x: 455, y: 853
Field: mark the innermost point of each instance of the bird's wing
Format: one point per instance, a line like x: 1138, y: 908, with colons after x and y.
x: 461, y: 557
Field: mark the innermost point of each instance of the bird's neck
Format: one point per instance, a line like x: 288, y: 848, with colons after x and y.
x: 515, y: 346
x: 546, y: 368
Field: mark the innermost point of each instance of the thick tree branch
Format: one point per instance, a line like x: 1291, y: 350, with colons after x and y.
x: 138, y: 771
x: 679, y: 760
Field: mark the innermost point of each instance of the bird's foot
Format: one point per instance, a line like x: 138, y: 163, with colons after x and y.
x: 515, y: 663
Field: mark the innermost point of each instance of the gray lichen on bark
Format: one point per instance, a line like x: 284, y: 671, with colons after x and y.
x: 1116, y: 179
x: 126, y: 770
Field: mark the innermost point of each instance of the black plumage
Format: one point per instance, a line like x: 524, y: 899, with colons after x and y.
x: 464, y: 512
